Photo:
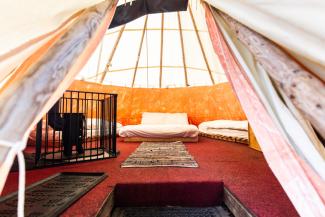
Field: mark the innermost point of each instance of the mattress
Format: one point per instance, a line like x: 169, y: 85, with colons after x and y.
x: 227, y: 132
x: 159, y: 131
x: 235, y: 131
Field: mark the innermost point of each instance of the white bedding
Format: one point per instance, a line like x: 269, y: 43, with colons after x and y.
x: 159, y: 131
x: 227, y: 132
x: 229, y: 128
x: 224, y: 124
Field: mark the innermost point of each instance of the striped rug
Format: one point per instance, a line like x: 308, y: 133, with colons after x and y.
x: 160, y: 154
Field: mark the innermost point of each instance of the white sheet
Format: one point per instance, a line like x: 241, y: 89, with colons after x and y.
x: 224, y: 124
x: 296, y: 26
x: 159, y: 131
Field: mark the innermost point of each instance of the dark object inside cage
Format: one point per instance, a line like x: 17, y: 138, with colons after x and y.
x: 81, y: 126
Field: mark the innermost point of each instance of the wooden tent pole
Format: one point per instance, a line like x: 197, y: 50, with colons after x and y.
x: 306, y: 91
x: 139, y: 51
x: 201, y: 45
x: 182, y: 45
x: 99, y: 58
x: 161, y: 48
x: 108, y: 64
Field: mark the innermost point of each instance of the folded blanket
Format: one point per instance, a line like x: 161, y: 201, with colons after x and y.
x: 224, y: 124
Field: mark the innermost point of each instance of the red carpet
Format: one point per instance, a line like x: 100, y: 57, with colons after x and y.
x: 243, y: 170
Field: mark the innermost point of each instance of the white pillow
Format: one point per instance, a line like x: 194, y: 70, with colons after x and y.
x: 164, y: 118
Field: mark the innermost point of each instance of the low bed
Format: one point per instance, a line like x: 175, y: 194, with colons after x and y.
x: 228, y: 130
x: 161, y: 127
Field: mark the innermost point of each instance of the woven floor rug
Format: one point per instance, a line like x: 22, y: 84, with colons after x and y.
x: 160, y: 154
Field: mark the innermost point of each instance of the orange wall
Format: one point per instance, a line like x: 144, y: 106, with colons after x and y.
x: 200, y: 103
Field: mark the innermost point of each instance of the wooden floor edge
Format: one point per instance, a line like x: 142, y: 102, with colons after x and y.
x: 237, y: 208
x: 107, y: 206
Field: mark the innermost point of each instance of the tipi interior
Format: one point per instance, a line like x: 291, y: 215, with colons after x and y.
x: 162, y: 108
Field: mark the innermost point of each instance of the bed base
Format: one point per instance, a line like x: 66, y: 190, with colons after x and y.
x: 143, y: 139
x: 224, y: 138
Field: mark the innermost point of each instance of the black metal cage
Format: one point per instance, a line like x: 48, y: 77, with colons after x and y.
x: 81, y: 126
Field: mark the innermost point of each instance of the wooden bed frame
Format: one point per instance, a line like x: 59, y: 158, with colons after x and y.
x: 225, y: 138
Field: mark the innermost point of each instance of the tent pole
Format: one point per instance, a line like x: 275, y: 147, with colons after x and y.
x: 161, y: 48
x: 112, y: 54
x: 99, y: 58
x: 182, y: 44
x: 139, y: 51
x: 201, y: 45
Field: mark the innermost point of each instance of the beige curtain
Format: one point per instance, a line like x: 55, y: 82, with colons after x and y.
x: 297, y: 26
x: 47, y: 44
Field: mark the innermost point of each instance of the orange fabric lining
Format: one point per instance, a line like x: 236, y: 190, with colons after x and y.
x: 200, y: 103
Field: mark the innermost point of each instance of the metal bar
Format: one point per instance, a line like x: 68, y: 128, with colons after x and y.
x: 201, y: 45
x: 139, y: 51
x: 114, y: 124
x: 46, y: 139
x: 97, y: 125
x: 75, y: 103
x: 38, y: 148
x: 91, y: 124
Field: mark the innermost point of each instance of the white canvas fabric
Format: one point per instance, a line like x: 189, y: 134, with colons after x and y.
x: 24, y: 23
x: 298, y: 188
x: 294, y: 25
x: 157, y: 118
x: 157, y: 66
x: 12, y: 138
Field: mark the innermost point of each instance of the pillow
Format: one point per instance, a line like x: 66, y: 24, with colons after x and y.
x: 164, y: 118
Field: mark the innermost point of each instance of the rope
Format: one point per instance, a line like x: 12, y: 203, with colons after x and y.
x: 16, y: 149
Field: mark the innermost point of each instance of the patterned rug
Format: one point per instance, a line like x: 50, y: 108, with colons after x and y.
x: 160, y: 154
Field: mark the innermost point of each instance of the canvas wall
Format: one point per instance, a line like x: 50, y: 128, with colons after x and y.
x: 201, y: 103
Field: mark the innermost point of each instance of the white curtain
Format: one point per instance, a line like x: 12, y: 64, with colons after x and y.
x: 297, y: 26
